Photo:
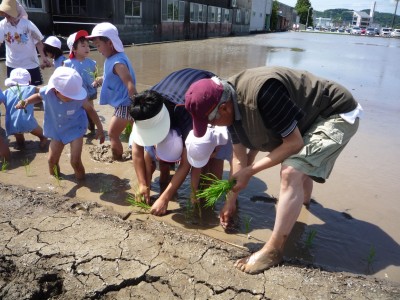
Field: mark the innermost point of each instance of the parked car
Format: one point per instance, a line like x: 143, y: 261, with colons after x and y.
x: 356, y: 30
x: 317, y: 28
x: 363, y: 31
x: 370, y: 31
x: 309, y: 28
x: 395, y: 33
x: 385, y: 32
x: 340, y: 29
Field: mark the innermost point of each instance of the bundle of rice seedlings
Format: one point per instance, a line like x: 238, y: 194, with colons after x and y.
x: 132, y: 200
x: 216, y: 188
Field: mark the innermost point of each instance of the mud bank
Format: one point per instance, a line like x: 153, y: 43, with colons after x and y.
x: 55, y: 247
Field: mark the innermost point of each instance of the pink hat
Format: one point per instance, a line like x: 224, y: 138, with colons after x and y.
x: 18, y: 76
x: 73, y: 38
x: 199, y: 149
x: 109, y: 31
x: 68, y: 82
x: 170, y: 149
x: 53, y: 41
x: 200, y: 100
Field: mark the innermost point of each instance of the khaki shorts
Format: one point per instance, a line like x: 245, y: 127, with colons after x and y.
x: 323, y: 142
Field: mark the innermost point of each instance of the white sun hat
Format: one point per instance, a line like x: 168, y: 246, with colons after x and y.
x: 68, y: 82
x: 170, y: 149
x: 153, y: 130
x: 199, y: 149
x: 18, y: 76
x: 53, y: 41
x: 108, y: 30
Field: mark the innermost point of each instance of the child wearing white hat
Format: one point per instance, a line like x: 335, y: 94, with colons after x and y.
x: 118, y: 82
x: 18, y: 121
x: 65, y: 107
x: 79, y: 48
x: 207, y: 154
x: 52, y: 49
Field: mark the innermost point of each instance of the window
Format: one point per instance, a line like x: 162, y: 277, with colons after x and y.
x: 73, y: 7
x: 133, y: 8
x: 172, y: 10
x: 32, y: 4
x: 203, y: 13
x: 227, y: 15
x: 238, y: 16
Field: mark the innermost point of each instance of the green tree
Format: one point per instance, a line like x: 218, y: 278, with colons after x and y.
x: 274, y: 15
x: 302, y: 7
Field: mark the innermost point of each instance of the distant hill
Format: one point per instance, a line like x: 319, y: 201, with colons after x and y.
x: 341, y: 16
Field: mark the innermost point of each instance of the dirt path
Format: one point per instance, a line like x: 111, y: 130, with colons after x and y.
x: 55, y: 247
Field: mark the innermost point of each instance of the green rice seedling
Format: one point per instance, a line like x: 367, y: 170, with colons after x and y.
x: 4, y: 165
x: 310, y: 238
x: 128, y: 130
x: 96, y: 73
x: 57, y: 175
x: 27, y: 166
x: 132, y: 200
x: 17, y: 91
x: 215, y: 190
x: 247, y: 221
x: 189, y: 210
x: 371, y: 256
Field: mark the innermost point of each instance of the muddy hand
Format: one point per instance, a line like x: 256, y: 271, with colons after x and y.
x: 159, y: 208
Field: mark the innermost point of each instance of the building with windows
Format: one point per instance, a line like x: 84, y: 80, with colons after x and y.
x: 143, y: 21
x: 361, y: 19
x: 260, y: 15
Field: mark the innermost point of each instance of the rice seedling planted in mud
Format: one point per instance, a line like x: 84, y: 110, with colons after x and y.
x: 310, y: 238
x: 216, y: 188
x: 247, y: 221
x: 4, y: 165
x: 371, y: 256
x: 27, y: 167
x: 132, y: 200
x: 57, y: 175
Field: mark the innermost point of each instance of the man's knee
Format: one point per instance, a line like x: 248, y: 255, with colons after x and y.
x: 290, y: 175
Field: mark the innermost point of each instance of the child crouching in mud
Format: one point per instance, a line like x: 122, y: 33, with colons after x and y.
x: 65, y: 106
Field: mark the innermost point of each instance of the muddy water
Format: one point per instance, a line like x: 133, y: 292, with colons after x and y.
x: 353, y: 223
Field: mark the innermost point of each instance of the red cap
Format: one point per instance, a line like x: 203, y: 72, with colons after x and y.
x: 200, y: 100
x: 73, y: 38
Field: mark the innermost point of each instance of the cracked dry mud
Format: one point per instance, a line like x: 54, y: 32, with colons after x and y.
x: 54, y: 247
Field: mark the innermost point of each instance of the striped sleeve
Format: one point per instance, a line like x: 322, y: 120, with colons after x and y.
x: 277, y: 110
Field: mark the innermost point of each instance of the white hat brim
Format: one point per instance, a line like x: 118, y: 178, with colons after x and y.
x: 151, y: 131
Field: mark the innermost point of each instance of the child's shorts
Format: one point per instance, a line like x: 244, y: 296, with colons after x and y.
x: 225, y: 152
x: 123, y: 112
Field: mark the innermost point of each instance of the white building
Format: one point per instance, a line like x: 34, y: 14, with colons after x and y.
x: 361, y: 19
x: 260, y: 12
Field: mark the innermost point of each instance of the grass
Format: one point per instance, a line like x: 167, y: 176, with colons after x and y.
x: 27, y: 167
x: 310, y: 238
x: 216, y: 189
x: 132, y: 199
x: 4, y: 165
x: 57, y: 175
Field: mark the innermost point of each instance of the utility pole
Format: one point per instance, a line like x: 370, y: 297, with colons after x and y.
x: 308, y: 13
x: 394, y: 15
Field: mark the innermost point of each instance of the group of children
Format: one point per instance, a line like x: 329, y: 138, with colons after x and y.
x: 69, y: 111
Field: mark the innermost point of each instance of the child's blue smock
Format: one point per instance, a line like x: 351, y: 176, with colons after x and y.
x: 63, y: 121
x: 113, y: 90
x: 86, y: 68
x: 19, y: 120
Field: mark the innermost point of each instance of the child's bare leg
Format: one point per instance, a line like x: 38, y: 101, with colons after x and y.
x: 165, y: 168
x: 91, y: 126
x: 38, y: 131
x: 5, y: 153
x: 150, y: 168
x: 76, y: 159
x: 20, y: 139
x: 55, y: 150
x: 117, y: 125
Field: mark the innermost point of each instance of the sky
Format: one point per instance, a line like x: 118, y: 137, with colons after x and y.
x: 387, y: 6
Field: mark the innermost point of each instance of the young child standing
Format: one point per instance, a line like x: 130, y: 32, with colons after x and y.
x: 52, y: 49
x: 118, y: 82
x: 65, y: 122
x: 4, y: 150
x: 18, y: 121
x: 86, y: 67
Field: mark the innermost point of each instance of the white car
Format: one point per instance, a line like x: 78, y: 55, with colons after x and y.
x: 356, y: 30
x: 386, y: 32
x: 395, y: 33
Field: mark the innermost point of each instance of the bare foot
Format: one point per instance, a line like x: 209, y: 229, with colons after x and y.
x: 159, y: 207
x: 259, y: 261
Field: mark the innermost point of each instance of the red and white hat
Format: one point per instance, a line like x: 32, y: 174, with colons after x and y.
x: 73, y: 38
